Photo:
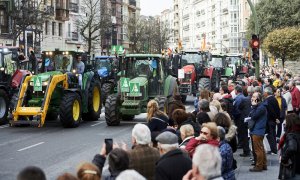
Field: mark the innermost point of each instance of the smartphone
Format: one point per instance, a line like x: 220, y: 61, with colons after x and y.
x: 108, y: 145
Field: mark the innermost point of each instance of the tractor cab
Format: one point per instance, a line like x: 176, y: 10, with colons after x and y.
x: 142, y: 79
x: 104, y: 65
x: 7, y: 64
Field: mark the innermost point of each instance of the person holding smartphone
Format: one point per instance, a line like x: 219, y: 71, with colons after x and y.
x: 259, y: 116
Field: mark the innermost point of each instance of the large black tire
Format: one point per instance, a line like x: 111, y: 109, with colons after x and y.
x: 66, y: 110
x: 51, y: 116
x: 4, y: 104
x: 94, y: 101
x: 215, y: 80
x: 161, y: 103
x: 183, y: 98
x: 112, y: 113
x: 204, y: 83
x: 106, y: 90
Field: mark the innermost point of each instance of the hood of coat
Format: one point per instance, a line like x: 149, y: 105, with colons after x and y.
x: 231, y: 133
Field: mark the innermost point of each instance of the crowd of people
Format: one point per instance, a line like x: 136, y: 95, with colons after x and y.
x: 200, y: 144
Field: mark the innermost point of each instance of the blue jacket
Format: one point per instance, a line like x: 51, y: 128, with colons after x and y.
x: 260, y: 116
x: 283, y: 108
x: 237, y: 105
x: 227, y: 160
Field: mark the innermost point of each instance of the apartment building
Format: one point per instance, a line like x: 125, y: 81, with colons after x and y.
x: 5, y: 22
x: 131, y: 8
x: 167, y: 23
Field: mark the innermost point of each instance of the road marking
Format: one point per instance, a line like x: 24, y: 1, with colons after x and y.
x: 4, y: 126
x: 98, y: 123
x: 28, y: 147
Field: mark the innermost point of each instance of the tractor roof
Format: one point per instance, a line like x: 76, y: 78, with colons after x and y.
x: 144, y: 55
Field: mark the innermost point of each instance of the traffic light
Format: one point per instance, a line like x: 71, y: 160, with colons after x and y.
x: 255, y: 47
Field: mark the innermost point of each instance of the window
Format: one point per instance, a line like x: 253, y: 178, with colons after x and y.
x: 59, y: 29
x: 53, y: 28
x: 46, y: 27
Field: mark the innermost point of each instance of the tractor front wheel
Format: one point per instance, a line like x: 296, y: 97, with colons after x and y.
x: 106, y: 91
x: 70, y: 110
x: 4, y: 103
x: 112, y: 113
x: 94, y: 102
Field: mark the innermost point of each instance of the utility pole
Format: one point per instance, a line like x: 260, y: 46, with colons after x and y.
x: 256, y: 32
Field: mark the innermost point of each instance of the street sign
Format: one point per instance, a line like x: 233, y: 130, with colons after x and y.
x: 135, y: 89
x: 245, y: 43
x: 124, y: 84
x: 180, y: 73
x: 37, y: 84
x: 117, y: 49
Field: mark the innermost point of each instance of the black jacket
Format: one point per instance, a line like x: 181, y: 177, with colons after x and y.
x: 272, y: 109
x: 172, y: 166
x: 99, y: 161
x: 291, y: 150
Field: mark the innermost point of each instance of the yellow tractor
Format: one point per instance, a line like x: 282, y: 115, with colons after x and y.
x: 58, y: 93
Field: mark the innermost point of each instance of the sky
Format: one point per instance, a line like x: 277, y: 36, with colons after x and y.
x: 154, y: 7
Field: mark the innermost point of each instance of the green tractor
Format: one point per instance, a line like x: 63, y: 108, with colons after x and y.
x: 142, y: 79
x: 58, y: 92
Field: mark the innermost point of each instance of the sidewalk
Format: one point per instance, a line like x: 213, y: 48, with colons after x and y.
x: 244, y: 164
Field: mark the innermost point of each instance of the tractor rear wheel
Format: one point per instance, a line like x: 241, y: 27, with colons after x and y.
x: 94, y: 101
x: 106, y: 91
x: 4, y: 104
x: 204, y: 83
x: 161, y: 103
x: 112, y: 113
x: 70, y: 110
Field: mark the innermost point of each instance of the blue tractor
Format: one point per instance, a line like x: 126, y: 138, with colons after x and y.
x: 106, y: 66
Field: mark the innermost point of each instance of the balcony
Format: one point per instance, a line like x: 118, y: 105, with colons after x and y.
x: 73, y: 7
x: 116, y: 1
x: 62, y: 15
x: 225, y: 11
x: 49, y: 10
x: 187, y: 16
x: 132, y: 3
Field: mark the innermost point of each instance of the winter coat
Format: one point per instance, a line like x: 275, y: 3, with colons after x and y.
x: 283, y: 108
x: 185, y: 142
x: 246, y: 106
x: 158, y: 123
x: 237, y: 111
x: 227, y: 160
x: 272, y: 109
x: 231, y: 137
x: 259, y: 116
x: 202, y: 117
x: 229, y: 104
x: 288, y: 98
x: 172, y: 166
x: 142, y: 158
x: 291, y: 151
x: 193, y: 144
x: 99, y: 161
x: 295, y: 97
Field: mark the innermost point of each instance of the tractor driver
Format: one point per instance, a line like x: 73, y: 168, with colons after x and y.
x: 79, y: 69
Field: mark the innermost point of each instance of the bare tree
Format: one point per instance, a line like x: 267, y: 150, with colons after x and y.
x: 89, y: 25
x: 136, y: 30
x: 105, y: 25
x: 28, y: 14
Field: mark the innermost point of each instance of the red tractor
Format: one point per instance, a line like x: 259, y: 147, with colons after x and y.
x: 10, y: 78
x: 194, y: 73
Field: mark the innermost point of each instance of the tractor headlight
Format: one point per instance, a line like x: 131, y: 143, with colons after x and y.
x: 45, y: 83
x: 2, y: 69
x: 74, y: 71
x: 31, y: 83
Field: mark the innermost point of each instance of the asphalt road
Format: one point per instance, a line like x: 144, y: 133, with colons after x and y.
x: 56, y: 149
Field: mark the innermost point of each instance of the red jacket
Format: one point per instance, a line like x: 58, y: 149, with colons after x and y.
x: 193, y: 143
x: 295, y: 97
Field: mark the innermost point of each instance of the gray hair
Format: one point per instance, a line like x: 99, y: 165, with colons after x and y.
x: 208, y: 160
x: 250, y: 89
x: 187, y: 129
x: 257, y: 89
x: 239, y: 88
x: 203, y: 104
x: 130, y: 174
x: 141, y: 133
x: 168, y: 147
x: 268, y: 90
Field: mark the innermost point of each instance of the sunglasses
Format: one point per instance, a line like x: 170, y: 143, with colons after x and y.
x: 205, y: 133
